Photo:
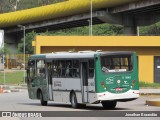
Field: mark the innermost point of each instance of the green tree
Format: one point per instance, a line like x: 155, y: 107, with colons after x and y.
x: 107, y: 30
x: 101, y: 29
x: 151, y: 30
x: 5, y: 49
x: 4, y: 6
x: 28, y: 43
x: 9, y: 5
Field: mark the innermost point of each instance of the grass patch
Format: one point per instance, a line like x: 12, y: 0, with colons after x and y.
x: 149, y: 85
x: 14, y: 77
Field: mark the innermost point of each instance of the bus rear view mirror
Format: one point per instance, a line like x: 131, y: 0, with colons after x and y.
x: 30, y: 63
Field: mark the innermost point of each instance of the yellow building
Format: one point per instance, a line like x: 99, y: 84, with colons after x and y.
x: 147, y: 48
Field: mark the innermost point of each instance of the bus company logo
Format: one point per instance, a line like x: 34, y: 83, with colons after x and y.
x: 109, y: 80
x: 57, y: 84
x: 126, y: 82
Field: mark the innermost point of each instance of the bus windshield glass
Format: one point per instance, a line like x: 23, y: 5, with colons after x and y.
x: 117, y: 63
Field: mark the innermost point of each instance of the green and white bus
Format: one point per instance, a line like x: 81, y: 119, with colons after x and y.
x: 84, y: 77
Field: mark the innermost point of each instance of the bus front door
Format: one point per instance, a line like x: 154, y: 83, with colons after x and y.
x: 50, y: 83
x: 84, y: 81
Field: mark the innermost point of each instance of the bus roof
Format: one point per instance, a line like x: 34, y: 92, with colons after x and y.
x: 81, y: 54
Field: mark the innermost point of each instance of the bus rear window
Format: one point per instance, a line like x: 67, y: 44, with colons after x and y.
x: 116, y: 63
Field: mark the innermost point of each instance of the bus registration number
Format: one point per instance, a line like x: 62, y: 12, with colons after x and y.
x: 119, y: 89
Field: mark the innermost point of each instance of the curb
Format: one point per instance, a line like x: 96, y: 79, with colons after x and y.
x: 149, y: 91
x: 15, y: 90
x: 153, y: 102
x: 149, y: 94
x: 10, y: 89
x: 6, y: 91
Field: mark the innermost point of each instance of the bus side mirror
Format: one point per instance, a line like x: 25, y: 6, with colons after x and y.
x: 27, y: 68
x: 29, y: 63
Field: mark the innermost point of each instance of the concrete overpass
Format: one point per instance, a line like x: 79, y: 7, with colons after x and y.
x: 130, y: 13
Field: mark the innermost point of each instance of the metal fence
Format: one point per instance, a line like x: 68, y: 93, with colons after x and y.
x: 16, y: 61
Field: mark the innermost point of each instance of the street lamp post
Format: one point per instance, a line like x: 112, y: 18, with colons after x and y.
x: 24, y: 32
x: 91, y: 19
x: 138, y: 31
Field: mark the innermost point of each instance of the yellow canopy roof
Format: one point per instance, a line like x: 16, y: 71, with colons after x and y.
x: 53, y: 11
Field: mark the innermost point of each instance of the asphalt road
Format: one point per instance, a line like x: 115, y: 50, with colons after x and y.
x: 19, y: 101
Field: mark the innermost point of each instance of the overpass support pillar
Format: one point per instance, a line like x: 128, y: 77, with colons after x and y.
x: 11, y: 42
x: 128, y: 21
x: 130, y: 26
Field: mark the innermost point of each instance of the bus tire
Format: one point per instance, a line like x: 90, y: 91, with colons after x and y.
x: 74, y: 102
x: 109, y: 104
x: 43, y: 103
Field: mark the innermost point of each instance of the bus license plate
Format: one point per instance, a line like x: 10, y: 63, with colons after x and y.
x: 119, y: 89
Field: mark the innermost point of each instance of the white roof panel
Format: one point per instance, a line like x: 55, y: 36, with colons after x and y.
x: 71, y: 55
x: 81, y: 54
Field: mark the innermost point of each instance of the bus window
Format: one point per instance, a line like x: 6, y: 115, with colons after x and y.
x: 116, y: 63
x: 55, y: 69
x: 76, y: 71
x: 61, y: 68
x: 76, y: 64
x: 91, y: 68
x: 31, y: 70
x: 40, y: 68
x: 68, y: 68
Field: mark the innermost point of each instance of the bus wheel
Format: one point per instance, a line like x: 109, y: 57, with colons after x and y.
x: 109, y: 104
x: 74, y: 100
x: 43, y: 103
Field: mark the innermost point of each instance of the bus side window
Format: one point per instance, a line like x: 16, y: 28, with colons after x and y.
x: 55, y: 69
x: 61, y: 68
x: 69, y: 70
x: 31, y: 69
x: 40, y: 68
x: 66, y: 69
x: 58, y: 69
x: 76, y: 70
x: 91, y: 68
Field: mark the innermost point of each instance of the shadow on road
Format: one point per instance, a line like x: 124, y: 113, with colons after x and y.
x: 62, y: 105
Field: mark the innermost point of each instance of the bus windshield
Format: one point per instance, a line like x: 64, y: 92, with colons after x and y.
x: 117, y: 63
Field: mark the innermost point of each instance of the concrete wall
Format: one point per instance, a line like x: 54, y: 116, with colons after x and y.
x: 12, y: 42
x: 146, y: 68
